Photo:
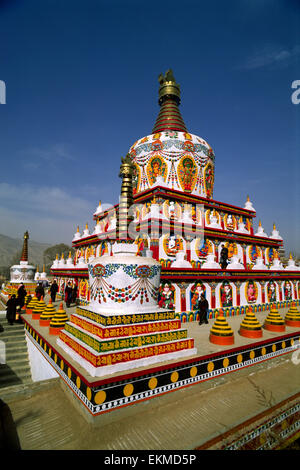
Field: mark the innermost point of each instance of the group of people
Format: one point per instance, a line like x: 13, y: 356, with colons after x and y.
x: 14, y: 305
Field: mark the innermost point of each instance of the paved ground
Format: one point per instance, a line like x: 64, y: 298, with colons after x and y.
x: 45, y: 418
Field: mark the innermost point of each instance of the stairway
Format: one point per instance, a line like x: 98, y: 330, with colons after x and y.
x: 16, y: 369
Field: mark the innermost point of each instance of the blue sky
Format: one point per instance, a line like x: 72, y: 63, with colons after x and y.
x: 81, y: 88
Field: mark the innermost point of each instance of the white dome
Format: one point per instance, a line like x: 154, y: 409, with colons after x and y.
x: 184, y: 161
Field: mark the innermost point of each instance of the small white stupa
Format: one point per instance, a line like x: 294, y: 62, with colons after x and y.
x: 241, y: 227
x: 260, y: 231
x: 37, y: 274
x: 180, y: 262
x: 213, y: 220
x: 276, y: 265
x: 155, y: 212
x: 55, y: 262
x: 99, y: 209
x: 210, y: 262
x: 186, y: 215
x: 259, y: 265
x: 86, y: 232
x: 235, y: 264
x: 275, y: 233
x: 69, y: 262
x: 291, y: 266
x: 23, y: 272
x: 248, y: 205
x: 77, y: 235
x: 97, y: 228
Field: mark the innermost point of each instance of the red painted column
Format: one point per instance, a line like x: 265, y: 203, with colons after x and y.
x: 238, y: 294
x: 280, y: 291
x: 244, y: 256
x: 182, y: 299
x: 213, y: 296
x: 263, y: 296
x: 154, y: 247
x: 188, y: 250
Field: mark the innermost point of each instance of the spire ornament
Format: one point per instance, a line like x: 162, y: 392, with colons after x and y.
x: 126, y: 197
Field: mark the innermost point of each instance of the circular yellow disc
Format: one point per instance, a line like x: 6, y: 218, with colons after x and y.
x: 239, y: 358
x: 55, y: 358
x: 69, y: 373
x: 210, y: 366
x: 100, y: 397
x: 88, y: 393
x: 193, y: 371
x: 252, y: 354
x: 78, y: 382
x: 61, y: 364
x: 174, y: 377
x: 127, y: 390
x: 283, y: 344
x: 274, y: 347
x: 152, y: 383
x: 225, y: 362
x: 263, y: 351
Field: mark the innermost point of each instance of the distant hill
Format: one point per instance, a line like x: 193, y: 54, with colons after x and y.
x: 11, y: 247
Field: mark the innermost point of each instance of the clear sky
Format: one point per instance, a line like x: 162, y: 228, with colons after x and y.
x: 81, y: 88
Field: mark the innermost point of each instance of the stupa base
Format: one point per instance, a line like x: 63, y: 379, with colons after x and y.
x: 293, y: 323
x: 44, y: 322
x: 54, y: 331
x: 111, y: 369
x: 221, y: 340
x: 250, y: 333
x: 275, y: 328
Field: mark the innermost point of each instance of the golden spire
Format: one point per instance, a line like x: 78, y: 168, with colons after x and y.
x: 77, y: 228
x: 169, y: 117
x: 291, y: 257
x: 126, y: 197
x: 56, y: 255
x: 259, y: 223
x: 274, y: 226
x: 24, y: 255
x: 86, y: 226
x: 248, y: 198
x: 70, y: 256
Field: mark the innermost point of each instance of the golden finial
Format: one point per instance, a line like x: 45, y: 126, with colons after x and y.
x: 77, y: 228
x: 154, y: 200
x: 241, y: 220
x: 62, y: 256
x: 274, y: 226
x: 259, y: 223
x: 86, y: 226
x: 56, y: 256
x: 37, y: 268
x: 248, y: 198
x: 291, y: 255
x: 70, y: 254
x: 43, y: 268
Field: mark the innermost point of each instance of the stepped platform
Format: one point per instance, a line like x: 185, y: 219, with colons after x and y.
x: 95, y: 397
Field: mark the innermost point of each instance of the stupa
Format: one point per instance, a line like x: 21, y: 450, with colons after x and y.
x: 123, y: 326
x: 175, y: 216
x: 21, y: 273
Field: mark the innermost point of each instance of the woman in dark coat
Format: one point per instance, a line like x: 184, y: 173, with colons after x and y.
x: 21, y: 296
x: 11, y: 308
x: 68, y: 294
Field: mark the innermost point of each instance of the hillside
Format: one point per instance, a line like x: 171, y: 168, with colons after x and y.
x: 10, y: 247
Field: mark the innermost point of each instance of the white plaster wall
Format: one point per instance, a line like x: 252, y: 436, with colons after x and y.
x: 40, y: 367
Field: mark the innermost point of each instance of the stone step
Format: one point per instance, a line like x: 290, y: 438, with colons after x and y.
x: 18, y: 353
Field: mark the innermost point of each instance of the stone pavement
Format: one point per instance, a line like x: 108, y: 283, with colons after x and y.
x: 181, y: 420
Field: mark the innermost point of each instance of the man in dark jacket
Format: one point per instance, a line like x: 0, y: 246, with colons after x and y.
x: 21, y: 295
x: 53, y: 290
x: 68, y: 294
x: 224, y: 257
x: 203, y: 309
x: 40, y: 291
x: 11, y: 308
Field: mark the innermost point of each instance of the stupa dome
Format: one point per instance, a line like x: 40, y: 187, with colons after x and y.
x: 171, y: 156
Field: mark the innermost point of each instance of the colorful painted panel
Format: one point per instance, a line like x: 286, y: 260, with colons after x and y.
x: 251, y: 291
x: 156, y: 167
x: 197, y: 290
x: 254, y: 253
x: 172, y: 244
x: 209, y: 180
x: 230, y: 222
x: 226, y: 298
x: 203, y: 248
x: 288, y: 290
x: 166, y: 296
x: 271, y: 291
x: 172, y: 210
x: 187, y: 173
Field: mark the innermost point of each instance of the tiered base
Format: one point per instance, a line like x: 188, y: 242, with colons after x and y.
x: 105, y: 343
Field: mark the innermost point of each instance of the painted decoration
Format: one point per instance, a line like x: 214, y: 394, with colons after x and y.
x: 172, y: 210
x: 209, y: 214
x: 271, y: 253
x: 166, y: 296
x: 254, y: 253
x: 156, y: 167
x: 196, y: 290
x: 172, y: 244
x: 136, y: 178
x: 187, y: 173
x: 288, y: 290
x: 142, y: 243
x: 230, y: 222
x: 209, y: 180
x: 185, y: 161
x: 83, y: 289
x: 232, y: 249
x: 251, y: 291
x: 203, y: 247
x: 271, y: 292
x: 103, y: 249
x: 226, y: 294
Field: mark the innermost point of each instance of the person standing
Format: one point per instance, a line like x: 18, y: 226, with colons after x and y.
x: 40, y: 291
x: 203, y: 309
x: 68, y: 294
x: 224, y: 257
x: 11, y: 309
x: 53, y: 290
x: 74, y: 293
x: 21, y: 295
